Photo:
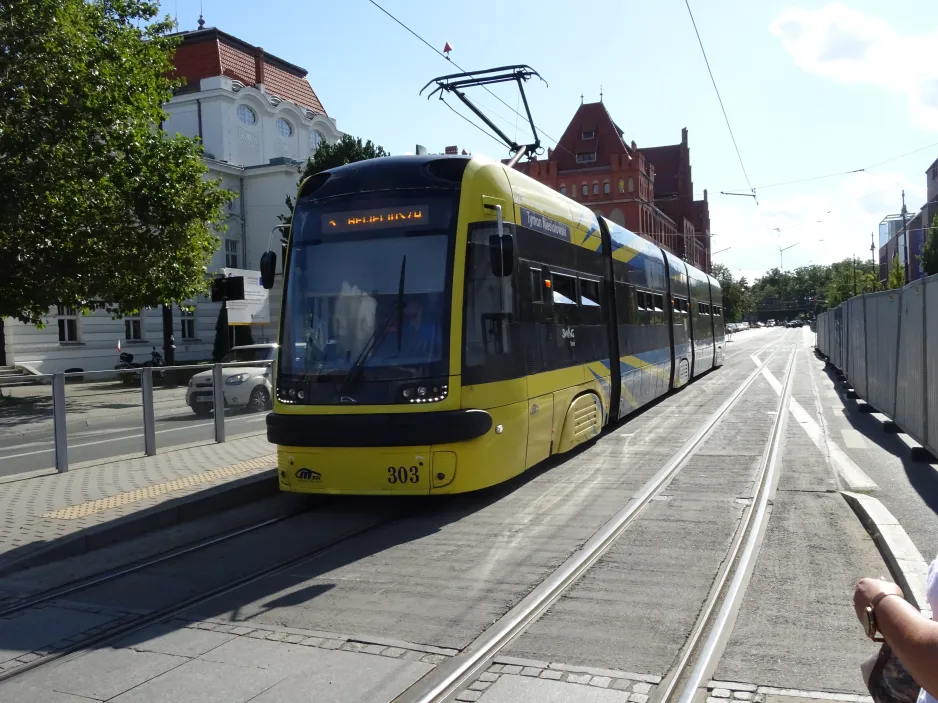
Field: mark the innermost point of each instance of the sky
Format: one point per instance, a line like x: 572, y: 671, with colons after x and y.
x: 810, y: 88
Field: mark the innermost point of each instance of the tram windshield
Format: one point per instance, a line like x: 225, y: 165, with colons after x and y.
x: 367, y: 292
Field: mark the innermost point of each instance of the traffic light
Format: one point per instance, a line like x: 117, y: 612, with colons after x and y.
x: 230, y: 288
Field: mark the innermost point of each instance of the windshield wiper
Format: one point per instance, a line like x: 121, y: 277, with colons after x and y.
x: 357, y: 369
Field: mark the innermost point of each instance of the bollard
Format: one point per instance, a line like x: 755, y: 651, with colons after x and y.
x: 218, y: 391
x: 58, y: 420
x: 149, y: 420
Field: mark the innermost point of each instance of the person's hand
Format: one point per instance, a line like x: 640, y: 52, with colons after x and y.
x: 868, y: 589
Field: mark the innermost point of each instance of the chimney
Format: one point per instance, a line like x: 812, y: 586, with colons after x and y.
x: 259, y: 68
x: 684, y: 136
x: 634, y: 145
x: 705, y: 195
x: 550, y: 152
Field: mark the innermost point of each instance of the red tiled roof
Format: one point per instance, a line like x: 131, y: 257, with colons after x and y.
x: 210, y: 52
x: 607, y: 141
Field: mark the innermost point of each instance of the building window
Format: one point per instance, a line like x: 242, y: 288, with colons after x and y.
x: 595, y: 188
x: 284, y: 128
x: 133, y: 329
x: 563, y: 190
x: 621, y: 185
x: 585, y: 190
x: 631, y: 185
x: 247, y: 115
x: 187, y: 321
x: 585, y: 157
x: 606, y: 188
x: 68, y: 323
x: 231, y: 253
x: 315, y: 139
x: 589, y: 134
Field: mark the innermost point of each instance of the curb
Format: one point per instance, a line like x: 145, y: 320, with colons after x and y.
x: 173, y: 512
x: 905, y: 562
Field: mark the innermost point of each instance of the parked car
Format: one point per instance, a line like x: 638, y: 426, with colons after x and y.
x: 247, y: 386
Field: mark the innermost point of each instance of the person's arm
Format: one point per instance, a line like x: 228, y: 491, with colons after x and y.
x: 911, y: 636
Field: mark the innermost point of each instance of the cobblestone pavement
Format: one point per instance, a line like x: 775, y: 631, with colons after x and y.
x: 40, y: 510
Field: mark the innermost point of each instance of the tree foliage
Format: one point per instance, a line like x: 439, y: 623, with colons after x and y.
x: 930, y: 251
x: 347, y: 150
x: 896, y: 278
x: 737, y: 298
x: 98, y: 207
x: 849, y: 277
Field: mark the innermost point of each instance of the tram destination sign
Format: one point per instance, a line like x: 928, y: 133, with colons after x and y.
x: 352, y: 220
x: 544, y: 225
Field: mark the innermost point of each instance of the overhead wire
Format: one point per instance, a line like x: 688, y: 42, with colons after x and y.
x: 726, y: 119
x: 847, y: 173
x: 486, y: 88
x: 486, y: 133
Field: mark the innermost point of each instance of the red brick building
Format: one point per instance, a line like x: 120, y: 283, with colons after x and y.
x: 647, y: 190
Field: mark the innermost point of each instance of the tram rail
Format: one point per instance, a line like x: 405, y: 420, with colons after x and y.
x: 446, y: 681
x: 162, y: 614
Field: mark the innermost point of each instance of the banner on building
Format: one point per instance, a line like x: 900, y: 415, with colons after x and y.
x: 255, y: 308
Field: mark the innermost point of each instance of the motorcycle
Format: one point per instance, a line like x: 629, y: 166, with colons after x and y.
x: 127, y: 363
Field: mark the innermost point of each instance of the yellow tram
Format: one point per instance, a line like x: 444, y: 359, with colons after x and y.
x: 448, y: 322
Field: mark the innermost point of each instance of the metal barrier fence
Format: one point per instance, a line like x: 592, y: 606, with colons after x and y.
x: 880, y: 341
x: 120, y: 399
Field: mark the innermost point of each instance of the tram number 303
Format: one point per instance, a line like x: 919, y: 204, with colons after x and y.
x: 403, y: 474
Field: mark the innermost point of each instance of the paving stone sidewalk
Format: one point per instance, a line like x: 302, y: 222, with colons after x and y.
x: 41, y: 511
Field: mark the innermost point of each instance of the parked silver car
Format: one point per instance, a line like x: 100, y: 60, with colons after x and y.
x: 247, y: 386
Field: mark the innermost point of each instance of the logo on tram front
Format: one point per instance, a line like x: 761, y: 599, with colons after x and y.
x: 308, y: 475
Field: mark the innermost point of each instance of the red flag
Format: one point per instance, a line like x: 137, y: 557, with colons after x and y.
x: 447, y: 48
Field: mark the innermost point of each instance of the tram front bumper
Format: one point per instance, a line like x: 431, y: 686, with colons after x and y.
x: 365, y: 470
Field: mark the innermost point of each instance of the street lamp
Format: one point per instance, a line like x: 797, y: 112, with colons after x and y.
x: 781, y: 266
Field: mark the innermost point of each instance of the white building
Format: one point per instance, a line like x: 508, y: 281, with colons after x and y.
x: 259, y: 120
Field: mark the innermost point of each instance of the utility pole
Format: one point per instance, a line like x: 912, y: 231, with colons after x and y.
x: 854, y: 260
x: 905, y: 233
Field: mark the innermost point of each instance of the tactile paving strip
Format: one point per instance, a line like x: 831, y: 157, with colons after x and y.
x: 73, y: 512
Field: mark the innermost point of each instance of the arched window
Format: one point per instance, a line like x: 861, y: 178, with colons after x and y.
x: 621, y: 185
x: 595, y: 188
x: 631, y: 185
x: 606, y: 188
x: 315, y: 139
x: 247, y: 115
x: 563, y: 189
x: 284, y: 128
x: 586, y: 190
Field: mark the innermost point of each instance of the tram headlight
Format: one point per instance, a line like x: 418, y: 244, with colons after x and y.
x: 423, y: 393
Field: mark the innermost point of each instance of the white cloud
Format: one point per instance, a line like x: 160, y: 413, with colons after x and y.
x: 855, y: 48
x: 824, y: 225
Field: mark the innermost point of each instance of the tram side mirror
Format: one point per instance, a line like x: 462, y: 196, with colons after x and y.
x: 502, y: 254
x: 268, y: 269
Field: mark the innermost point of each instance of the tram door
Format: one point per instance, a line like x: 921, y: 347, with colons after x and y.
x: 539, y: 349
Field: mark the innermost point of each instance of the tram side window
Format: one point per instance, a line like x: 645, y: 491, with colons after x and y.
x: 659, y: 305
x: 537, y: 286
x: 564, y: 288
x: 589, y: 292
x: 490, y: 319
x: 640, y: 300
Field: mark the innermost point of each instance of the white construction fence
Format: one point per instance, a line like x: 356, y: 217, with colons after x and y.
x: 886, y: 345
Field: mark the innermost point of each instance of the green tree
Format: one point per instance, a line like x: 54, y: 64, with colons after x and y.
x: 347, y: 150
x: 896, y: 277
x: 98, y: 206
x: 736, y: 297
x: 929, y: 258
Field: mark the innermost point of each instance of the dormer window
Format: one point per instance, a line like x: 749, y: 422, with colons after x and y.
x: 589, y: 134
x: 586, y: 157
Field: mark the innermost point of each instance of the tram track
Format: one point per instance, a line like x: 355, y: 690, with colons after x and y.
x: 120, y: 631
x: 447, y: 680
x: 112, y: 634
